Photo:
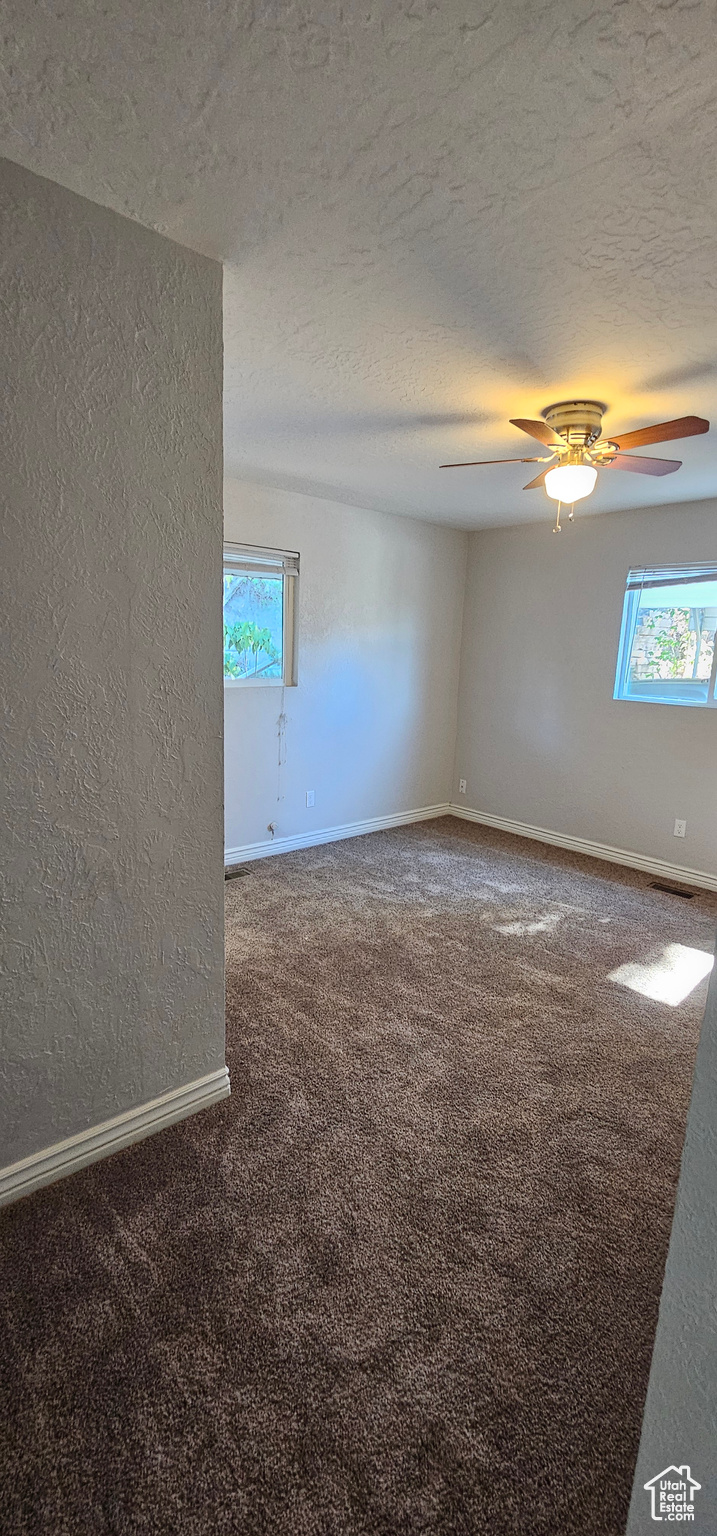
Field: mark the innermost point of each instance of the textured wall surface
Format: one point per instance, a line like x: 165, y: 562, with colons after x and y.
x: 437, y: 215
x: 111, y: 842
x: 371, y: 726
x: 541, y: 739
x: 680, y: 1422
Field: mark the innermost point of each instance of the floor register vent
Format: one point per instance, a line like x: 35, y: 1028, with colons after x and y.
x: 671, y: 890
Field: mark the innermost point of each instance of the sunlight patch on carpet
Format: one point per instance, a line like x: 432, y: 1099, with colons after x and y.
x: 668, y: 976
x: 544, y: 924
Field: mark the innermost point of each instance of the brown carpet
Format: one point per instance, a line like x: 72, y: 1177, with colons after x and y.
x: 406, y: 1280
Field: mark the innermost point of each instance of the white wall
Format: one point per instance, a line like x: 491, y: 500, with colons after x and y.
x: 111, y: 956
x: 540, y: 738
x: 680, y: 1420
x: 371, y: 726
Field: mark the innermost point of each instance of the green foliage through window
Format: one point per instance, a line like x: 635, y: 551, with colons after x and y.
x: 253, y: 626
x: 667, y: 643
x: 248, y: 650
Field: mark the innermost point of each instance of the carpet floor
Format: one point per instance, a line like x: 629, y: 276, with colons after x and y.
x: 405, y: 1281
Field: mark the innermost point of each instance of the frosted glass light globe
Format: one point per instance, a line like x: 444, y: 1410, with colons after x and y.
x: 570, y: 482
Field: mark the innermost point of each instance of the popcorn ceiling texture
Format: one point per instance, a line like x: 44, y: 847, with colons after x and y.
x: 436, y: 216
x: 111, y: 846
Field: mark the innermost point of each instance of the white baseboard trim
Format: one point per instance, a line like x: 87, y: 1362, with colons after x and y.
x: 640, y: 861
x: 100, y: 1140
x: 331, y: 834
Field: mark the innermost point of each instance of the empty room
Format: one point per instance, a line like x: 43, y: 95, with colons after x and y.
x: 358, y: 1029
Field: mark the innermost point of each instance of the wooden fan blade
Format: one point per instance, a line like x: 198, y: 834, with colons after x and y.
x: 663, y: 432
x: 541, y: 430
x: 538, y: 481
x: 474, y: 463
x: 642, y: 466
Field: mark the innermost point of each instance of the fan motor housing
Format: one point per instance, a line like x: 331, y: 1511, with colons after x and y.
x: 579, y: 422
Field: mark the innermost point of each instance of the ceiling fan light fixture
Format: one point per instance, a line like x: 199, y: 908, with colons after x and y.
x: 570, y: 482
x: 571, y: 432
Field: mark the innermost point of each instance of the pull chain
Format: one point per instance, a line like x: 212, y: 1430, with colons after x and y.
x: 571, y: 517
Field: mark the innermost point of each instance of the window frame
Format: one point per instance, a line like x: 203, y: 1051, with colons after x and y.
x: 638, y: 578
x: 254, y: 560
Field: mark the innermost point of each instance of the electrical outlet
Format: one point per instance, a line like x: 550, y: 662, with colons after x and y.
x: 461, y: 786
x: 310, y: 798
x: 680, y: 828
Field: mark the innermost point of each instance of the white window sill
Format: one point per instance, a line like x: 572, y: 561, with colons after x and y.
x: 253, y: 682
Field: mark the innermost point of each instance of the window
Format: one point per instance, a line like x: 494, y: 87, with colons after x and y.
x: 259, y: 616
x: 667, y: 643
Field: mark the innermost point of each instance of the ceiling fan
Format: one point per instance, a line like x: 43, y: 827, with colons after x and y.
x: 571, y: 430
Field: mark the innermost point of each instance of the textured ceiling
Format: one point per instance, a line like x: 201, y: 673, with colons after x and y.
x: 435, y: 216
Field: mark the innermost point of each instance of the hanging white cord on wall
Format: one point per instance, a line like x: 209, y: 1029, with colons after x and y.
x: 281, y: 754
